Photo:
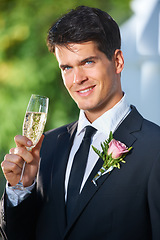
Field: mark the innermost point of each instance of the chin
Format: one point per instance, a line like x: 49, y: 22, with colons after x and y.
x: 84, y: 106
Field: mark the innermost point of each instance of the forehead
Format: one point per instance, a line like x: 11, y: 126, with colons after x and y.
x: 76, y: 50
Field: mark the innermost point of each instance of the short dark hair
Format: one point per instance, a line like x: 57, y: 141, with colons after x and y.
x: 85, y: 24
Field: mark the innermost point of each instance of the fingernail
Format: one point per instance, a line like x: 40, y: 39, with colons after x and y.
x: 29, y: 143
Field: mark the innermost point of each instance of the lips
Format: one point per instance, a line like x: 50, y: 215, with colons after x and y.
x: 86, y: 91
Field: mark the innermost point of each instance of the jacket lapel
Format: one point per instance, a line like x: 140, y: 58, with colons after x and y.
x: 125, y: 134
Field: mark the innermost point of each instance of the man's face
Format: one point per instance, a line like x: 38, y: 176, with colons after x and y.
x: 92, y: 80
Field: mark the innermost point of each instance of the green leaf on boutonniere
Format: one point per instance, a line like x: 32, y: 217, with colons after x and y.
x: 113, y: 152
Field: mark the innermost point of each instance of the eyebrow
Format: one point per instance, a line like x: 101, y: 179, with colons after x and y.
x: 64, y: 66
x: 89, y: 59
x: 81, y: 62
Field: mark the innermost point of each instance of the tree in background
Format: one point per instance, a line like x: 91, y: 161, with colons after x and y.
x: 27, y: 67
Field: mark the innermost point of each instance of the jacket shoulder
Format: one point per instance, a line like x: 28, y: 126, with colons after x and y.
x: 51, y: 136
x: 150, y: 130
x: 57, y: 131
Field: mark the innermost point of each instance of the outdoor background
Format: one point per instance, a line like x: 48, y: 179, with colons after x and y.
x: 27, y: 67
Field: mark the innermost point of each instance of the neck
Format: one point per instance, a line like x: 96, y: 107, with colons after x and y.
x: 94, y: 114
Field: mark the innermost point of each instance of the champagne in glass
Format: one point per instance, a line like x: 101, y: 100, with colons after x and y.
x: 33, y: 125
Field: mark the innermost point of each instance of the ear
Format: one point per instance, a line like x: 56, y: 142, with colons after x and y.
x: 119, y: 61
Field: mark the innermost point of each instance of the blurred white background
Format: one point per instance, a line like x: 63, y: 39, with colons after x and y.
x: 141, y: 49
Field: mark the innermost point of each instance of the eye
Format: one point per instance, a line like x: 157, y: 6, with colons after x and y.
x: 89, y: 62
x: 66, y: 68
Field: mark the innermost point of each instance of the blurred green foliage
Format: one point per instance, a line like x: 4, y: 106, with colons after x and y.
x: 27, y: 67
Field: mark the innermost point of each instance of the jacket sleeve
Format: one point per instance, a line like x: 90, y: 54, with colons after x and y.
x: 18, y: 222
x: 154, y: 199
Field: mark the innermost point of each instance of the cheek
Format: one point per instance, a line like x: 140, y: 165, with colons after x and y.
x: 67, y: 81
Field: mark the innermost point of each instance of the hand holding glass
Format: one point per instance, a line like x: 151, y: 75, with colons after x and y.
x: 33, y: 125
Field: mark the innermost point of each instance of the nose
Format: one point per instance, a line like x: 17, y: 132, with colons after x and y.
x: 79, y: 76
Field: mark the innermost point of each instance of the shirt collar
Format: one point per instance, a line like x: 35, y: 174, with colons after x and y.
x: 109, y: 121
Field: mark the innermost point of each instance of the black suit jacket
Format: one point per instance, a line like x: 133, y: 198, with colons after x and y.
x: 125, y: 205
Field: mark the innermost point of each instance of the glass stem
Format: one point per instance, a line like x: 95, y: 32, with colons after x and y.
x: 24, y: 164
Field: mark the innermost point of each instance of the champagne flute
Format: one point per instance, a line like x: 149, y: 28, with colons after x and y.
x: 33, y: 126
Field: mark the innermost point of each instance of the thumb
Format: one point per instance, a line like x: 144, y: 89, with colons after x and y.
x: 39, y: 144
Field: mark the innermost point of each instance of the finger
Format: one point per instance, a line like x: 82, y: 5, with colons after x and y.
x: 11, y: 171
x: 22, y: 141
x: 10, y: 167
x: 11, y: 151
x: 22, y: 154
x: 15, y: 159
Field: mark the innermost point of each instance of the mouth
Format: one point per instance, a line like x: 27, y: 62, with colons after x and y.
x: 86, y: 91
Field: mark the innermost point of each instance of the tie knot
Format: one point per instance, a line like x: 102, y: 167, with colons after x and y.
x: 90, y: 131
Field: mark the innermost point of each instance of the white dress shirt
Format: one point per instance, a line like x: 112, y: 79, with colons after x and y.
x: 109, y: 121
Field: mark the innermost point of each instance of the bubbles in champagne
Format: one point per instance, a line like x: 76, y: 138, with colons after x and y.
x: 33, y: 126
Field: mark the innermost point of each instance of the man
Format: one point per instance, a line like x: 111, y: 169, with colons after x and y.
x: 123, y: 204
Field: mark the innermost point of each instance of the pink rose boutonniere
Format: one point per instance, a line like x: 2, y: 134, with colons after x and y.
x: 113, y: 152
x: 116, y: 148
